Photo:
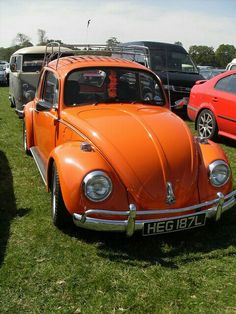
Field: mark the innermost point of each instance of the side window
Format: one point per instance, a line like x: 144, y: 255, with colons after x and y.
x: 15, y: 63
x: 50, y: 90
x: 227, y: 84
x: 18, y: 63
x: 150, y: 90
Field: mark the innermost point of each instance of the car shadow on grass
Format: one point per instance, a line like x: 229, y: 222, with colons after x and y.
x: 8, y: 209
x: 226, y: 141
x: 169, y: 250
x: 7, y: 204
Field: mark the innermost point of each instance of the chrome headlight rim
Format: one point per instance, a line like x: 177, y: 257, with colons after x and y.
x: 212, y: 167
x: 88, y: 180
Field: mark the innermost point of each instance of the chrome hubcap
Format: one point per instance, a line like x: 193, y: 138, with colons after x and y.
x: 205, y: 125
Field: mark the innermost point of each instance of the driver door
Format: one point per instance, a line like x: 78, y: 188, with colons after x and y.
x: 46, y: 116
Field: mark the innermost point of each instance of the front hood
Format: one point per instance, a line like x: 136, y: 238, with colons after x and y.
x: 147, y: 146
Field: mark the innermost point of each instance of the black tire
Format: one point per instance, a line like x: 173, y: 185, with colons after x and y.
x: 60, y: 216
x: 27, y: 151
x: 206, y: 125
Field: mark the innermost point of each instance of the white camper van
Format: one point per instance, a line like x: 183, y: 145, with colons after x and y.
x: 231, y: 65
x: 25, y: 65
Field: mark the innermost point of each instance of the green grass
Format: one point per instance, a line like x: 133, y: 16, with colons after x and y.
x: 44, y: 270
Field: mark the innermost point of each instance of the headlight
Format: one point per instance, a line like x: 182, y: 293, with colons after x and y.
x: 97, y: 186
x: 219, y: 173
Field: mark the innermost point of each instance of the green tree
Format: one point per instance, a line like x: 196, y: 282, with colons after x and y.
x: 22, y: 40
x: 203, y: 55
x: 42, y: 37
x: 225, y: 54
x: 111, y: 42
x: 178, y: 43
x: 5, y: 53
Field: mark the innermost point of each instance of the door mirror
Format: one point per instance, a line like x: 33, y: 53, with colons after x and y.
x: 13, y: 67
x: 42, y: 106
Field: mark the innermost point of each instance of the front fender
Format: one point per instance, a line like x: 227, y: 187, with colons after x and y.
x: 209, y: 153
x: 72, y: 165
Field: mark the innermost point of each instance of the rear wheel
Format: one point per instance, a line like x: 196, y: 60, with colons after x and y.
x: 60, y: 216
x: 206, y: 124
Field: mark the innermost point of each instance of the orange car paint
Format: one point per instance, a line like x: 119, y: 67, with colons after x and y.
x: 140, y: 146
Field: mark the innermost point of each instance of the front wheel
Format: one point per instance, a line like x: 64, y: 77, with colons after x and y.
x: 60, y: 216
x: 206, y: 124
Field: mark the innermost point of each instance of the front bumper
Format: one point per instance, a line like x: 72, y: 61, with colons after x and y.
x: 214, y: 210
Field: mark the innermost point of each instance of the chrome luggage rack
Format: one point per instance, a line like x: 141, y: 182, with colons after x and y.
x: 129, y: 52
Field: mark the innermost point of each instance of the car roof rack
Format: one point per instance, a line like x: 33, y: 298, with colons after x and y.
x: 55, y: 50
x: 129, y: 52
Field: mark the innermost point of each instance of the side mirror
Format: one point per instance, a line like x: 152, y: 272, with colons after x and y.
x: 13, y: 67
x: 42, y: 106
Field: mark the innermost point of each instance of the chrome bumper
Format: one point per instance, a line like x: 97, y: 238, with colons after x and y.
x: 129, y: 225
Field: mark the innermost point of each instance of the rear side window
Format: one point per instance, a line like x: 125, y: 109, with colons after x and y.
x: 227, y: 84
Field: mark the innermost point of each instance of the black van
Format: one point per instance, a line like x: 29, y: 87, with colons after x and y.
x: 171, y: 63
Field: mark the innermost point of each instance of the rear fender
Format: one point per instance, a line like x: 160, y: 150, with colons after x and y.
x: 72, y: 165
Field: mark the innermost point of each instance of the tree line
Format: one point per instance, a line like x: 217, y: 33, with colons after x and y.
x: 202, y: 55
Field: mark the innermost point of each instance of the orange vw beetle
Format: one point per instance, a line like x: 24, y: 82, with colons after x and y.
x: 114, y: 157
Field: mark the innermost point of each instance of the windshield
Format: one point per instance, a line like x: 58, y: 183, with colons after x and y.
x: 164, y: 60
x: 107, y: 85
x: 32, y: 62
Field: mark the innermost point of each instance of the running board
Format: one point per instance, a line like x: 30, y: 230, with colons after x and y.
x: 39, y: 162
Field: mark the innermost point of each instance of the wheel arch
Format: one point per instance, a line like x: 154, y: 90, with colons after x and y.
x: 73, y: 164
x: 204, y: 106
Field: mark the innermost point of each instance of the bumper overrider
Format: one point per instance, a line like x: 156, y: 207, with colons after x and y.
x: 214, y: 209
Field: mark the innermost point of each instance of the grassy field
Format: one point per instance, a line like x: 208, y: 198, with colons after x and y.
x: 44, y: 270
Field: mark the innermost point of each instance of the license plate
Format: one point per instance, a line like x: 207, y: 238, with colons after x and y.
x: 174, y: 224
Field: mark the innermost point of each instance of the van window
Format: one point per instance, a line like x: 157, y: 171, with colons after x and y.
x: 32, y: 62
x: 164, y: 60
x: 16, y: 61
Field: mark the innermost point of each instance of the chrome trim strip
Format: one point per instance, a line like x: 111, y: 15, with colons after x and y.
x: 220, y: 204
x: 39, y: 163
x: 227, y: 118
x: 72, y: 128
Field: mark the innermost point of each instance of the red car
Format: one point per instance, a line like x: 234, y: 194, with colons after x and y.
x: 212, y: 105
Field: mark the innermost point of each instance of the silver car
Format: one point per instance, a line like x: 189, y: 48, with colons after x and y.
x: 3, y: 73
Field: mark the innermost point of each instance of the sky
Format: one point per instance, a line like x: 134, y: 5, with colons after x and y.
x: 191, y: 22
